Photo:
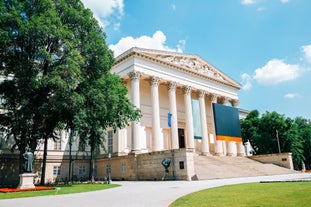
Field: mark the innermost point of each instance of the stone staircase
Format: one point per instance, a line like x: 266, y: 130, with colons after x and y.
x: 216, y: 167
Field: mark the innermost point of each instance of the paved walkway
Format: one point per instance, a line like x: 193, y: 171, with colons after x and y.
x: 139, y: 193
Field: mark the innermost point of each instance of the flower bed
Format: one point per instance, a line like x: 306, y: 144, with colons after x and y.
x: 14, y: 190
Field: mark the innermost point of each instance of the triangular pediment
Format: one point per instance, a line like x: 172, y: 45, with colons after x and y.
x: 192, y: 63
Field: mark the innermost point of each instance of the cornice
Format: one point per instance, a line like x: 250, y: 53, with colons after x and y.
x: 148, y: 54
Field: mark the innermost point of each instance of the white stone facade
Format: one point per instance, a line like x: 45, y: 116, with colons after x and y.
x: 161, y: 82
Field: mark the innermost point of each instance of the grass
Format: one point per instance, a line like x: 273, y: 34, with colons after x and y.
x: 282, y: 194
x: 66, y: 189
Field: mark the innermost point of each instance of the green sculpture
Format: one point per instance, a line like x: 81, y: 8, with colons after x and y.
x: 166, y: 163
x: 27, y: 162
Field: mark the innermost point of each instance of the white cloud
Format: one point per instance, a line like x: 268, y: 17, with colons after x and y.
x: 276, y: 71
x: 157, y: 41
x: 106, y: 11
x: 246, y: 81
x: 307, y: 52
x: 260, y: 9
x: 284, y: 1
x: 291, y: 95
x: 248, y: 2
x: 173, y: 7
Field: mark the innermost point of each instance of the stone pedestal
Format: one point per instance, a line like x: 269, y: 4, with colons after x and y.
x: 26, y: 180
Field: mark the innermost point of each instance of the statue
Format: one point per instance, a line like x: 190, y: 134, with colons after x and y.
x: 27, y: 162
x: 166, y: 163
x: 26, y: 178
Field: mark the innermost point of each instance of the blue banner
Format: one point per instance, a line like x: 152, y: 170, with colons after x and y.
x: 169, y: 119
x: 196, y: 119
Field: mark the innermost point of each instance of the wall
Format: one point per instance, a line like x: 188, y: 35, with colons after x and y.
x: 148, y: 166
x: 280, y: 159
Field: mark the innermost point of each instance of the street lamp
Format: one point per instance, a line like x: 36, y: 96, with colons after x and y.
x: 108, y: 169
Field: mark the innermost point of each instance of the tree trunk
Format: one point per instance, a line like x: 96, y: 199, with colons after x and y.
x: 45, y: 151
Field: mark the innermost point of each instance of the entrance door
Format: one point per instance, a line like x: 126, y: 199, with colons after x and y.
x: 181, y: 138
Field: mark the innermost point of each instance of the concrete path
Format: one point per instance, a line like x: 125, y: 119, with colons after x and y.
x: 139, y: 193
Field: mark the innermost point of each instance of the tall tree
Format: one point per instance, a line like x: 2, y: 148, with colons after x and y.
x: 249, y: 127
x: 55, y: 64
x: 273, y: 133
x: 304, y: 131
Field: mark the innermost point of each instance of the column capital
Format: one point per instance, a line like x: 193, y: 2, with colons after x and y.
x: 154, y: 81
x: 224, y: 100
x: 187, y: 89
x: 201, y: 93
x: 123, y: 81
x: 234, y: 102
x: 135, y: 75
x: 214, y: 97
x: 171, y: 85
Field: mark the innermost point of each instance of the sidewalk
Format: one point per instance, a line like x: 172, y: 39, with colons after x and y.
x: 139, y: 193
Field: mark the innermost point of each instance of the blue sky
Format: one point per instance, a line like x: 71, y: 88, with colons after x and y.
x: 263, y: 44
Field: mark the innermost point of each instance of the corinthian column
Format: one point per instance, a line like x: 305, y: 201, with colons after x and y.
x: 135, y: 77
x: 239, y: 145
x: 218, y: 143
x: 154, y: 83
x: 173, y: 110
x: 189, y: 118
x: 205, y: 143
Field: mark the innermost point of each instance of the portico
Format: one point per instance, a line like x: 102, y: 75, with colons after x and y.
x: 161, y: 82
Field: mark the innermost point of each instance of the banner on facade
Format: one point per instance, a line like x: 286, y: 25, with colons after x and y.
x: 196, y: 119
x: 227, y: 123
x: 169, y: 119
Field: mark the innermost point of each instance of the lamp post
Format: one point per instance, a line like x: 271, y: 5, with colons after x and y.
x: 278, y: 140
x: 108, y: 168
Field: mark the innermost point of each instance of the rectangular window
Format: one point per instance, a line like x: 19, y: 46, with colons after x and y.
x: 56, y: 170
x: 110, y: 141
x: 123, y: 168
x: 58, y: 144
x: 181, y: 165
x: 82, y: 170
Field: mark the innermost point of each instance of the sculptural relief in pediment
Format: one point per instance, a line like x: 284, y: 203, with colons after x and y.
x: 193, y: 64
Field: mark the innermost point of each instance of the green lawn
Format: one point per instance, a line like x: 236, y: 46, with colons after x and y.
x: 59, y: 190
x: 282, y: 194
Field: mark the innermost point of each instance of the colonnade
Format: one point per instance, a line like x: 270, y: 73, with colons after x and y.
x: 156, y: 129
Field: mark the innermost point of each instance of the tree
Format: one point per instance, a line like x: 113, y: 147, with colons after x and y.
x: 273, y: 133
x: 55, y: 62
x: 304, y: 130
x: 249, y: 127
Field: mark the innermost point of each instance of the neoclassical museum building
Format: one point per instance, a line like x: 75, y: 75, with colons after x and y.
x: 175, y: 93
x: 162, y: 83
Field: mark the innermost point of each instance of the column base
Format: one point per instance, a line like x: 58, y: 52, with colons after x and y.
x: 241, y: 155
x: 26, y: 181
x: 136, y: 152
x: 190, y: 150
x: 206, y: 154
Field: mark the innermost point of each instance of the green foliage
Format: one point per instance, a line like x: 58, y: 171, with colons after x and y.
x: 263, y: 133
x: 56, y: 66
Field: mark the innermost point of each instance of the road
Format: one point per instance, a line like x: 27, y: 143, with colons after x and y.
x: 139, y: 193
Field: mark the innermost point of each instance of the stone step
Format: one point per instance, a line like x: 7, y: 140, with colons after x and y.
x: 216, y: 167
